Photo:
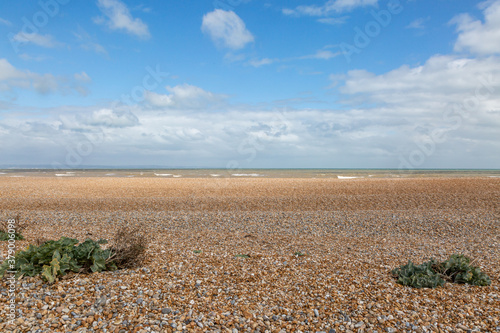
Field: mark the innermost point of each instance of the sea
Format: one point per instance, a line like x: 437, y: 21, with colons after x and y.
x: 345, y: 174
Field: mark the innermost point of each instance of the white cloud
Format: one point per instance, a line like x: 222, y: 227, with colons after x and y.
x: 441, y: 80
x: 261, y: 62
x: 87, y: 43
x: 5, y: 22
x: 28, y: 57
x: 119, y: 18
x: 11, y: 78
x: 331, y: 6
x: 8, y: 72
x: 450, y: 106
x: 82, y: 77
x: 321, y: 54
x: 333, y: 20
x: 476, y: 36
x: 417, y: 24
x: 47, y: 41
x: 112, y: 118
x: 184, y: 97
x: 226, y: 29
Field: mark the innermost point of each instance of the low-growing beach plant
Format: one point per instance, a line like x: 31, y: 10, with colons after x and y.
x: 418, y: 276
x: 242, y: 256
x: 457, y: 269
x: 4, y: 236
x: 197, y: 251
x: 52, y: 259
x: 299, y: 254
x: 57, y: 258
x: 431, y: 274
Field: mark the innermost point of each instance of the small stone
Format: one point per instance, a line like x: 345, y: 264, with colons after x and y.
x: 139, y: 300
x: 166, y: 310
x: 101, y: 301
x: 359, y: 324
x: 316, y: 313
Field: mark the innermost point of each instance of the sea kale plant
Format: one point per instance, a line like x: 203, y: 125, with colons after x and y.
x: 431, y: 274
x: 56, y: 258
x: 52, y: 259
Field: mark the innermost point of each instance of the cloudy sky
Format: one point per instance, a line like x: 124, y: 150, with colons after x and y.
x: 250, y: 83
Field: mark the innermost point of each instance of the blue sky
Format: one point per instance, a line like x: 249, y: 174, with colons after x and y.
x: 247, y: 83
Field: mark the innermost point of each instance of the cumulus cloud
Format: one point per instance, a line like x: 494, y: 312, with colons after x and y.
x: 331, y: 6
x: 441, y: 80
x: 184, y: 97
x: 118, y: 17
x: 447, y: 107
x: 226, y: 29
x: 11, y: 78
x: 8, y: 72
x: 112, y: 118
x: 47, y: 41
x: 478, y: 37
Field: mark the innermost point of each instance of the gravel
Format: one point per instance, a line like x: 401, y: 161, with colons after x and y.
x: 352, y: 232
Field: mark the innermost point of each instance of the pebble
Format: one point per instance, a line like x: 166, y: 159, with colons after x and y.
x: 352, y: 232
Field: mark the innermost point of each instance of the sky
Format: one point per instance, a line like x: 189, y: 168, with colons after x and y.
x: 399, y: 84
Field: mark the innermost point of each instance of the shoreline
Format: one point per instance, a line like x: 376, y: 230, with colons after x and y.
x: 250, y: 173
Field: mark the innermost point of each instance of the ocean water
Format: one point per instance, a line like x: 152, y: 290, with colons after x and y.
x: 342, y: 174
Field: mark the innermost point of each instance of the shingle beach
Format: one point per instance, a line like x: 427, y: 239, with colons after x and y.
x: 352, y: 233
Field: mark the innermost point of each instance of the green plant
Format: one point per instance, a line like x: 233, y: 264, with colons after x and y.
x: 197, y: 251
x: 56, y: 258
x: 242, y: 256
x: 418, y: 276
x: 299, y: 254
x: 4, y: 236
x: 456, y: 269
